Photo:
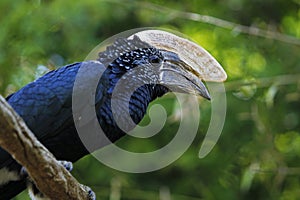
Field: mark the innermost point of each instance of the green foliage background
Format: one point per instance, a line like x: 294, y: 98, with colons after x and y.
x: 258, y: 154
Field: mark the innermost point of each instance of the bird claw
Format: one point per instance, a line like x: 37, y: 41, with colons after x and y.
x: 91, y: 194
x: 66, y: 164
x: 23, y: 172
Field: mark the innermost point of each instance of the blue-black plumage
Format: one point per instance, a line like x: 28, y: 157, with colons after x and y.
x: 46, y: 104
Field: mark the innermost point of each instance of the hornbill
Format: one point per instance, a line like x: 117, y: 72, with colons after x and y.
x: 173, y: 63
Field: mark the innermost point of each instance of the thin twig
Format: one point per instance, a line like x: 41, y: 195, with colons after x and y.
x: 237, y: 28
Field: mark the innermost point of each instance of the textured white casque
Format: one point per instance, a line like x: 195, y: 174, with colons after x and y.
x: 203, y: 64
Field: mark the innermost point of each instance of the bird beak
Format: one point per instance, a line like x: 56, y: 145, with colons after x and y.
x: 192, y: 57
x: 186, y: 63
x: 178, y: 76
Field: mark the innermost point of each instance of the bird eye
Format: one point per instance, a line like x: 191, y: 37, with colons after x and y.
x: 154, y: 59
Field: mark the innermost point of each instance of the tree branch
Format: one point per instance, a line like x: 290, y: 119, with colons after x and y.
x: 51, y: 178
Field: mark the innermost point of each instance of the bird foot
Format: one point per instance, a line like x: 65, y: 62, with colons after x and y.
x: 91, y: 194
x: 34, y: 193
x: 66, y: 164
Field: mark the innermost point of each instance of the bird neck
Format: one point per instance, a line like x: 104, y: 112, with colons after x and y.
x: 138, y: 104
x: 141, y: 98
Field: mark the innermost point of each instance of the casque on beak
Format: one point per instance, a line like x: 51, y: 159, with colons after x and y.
x: 178, y: 76
x: 186, y: 63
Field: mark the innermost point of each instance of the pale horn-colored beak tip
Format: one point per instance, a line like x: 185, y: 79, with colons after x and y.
x: 202, y: 62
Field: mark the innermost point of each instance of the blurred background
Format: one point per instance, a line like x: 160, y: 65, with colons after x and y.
x: 256, y: 41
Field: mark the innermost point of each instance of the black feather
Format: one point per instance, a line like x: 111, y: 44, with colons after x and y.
x: 46, y: 104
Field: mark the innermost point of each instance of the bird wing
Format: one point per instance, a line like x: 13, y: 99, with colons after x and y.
x: 46, y: 104
x: 46, y: 107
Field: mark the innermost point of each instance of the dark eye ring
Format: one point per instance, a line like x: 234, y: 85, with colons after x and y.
x: 155, y: 59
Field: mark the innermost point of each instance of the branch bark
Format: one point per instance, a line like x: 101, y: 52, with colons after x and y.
x: 50, y: 177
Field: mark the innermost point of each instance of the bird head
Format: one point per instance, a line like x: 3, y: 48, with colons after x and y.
x: 165, y: 59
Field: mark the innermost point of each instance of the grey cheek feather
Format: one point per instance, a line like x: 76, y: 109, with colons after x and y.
x: 7, y: 176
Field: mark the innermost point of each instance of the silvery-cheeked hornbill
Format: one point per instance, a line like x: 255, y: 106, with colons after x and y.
x: 173, y: 63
